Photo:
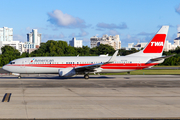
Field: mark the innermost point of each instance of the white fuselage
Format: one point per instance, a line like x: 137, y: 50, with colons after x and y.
x: 44, y: 65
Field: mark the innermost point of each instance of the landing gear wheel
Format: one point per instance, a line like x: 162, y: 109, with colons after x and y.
x: 19, y: 77
x: 86, y: 76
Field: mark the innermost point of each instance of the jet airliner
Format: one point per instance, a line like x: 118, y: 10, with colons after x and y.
x: 69, y: 66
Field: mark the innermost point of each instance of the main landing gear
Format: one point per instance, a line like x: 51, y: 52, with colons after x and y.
x: 19, y: 76
x: 86, y: 76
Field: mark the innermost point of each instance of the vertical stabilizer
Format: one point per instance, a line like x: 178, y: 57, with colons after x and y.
x: 156, y: 45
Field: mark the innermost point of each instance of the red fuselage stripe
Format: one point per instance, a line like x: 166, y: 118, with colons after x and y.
x: 107, y: 66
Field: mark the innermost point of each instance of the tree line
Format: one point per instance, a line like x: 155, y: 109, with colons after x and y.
x: 61, y: 48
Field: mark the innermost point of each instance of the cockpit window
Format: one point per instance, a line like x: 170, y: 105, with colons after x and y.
x: 12, y: 63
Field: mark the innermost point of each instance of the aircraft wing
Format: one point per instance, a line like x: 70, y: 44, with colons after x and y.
x: 88, y: 68
x: 93, y: 67
x: 161, y: 58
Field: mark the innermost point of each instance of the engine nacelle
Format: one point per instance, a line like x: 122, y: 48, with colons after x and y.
x: 66, y: 72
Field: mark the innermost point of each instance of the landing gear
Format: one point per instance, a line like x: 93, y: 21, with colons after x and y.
x: 86, y: 76
x: 19, y: 77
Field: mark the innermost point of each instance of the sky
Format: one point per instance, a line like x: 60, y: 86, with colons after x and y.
x: 133, y: 20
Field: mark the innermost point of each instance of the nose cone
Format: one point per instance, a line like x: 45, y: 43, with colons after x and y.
x: 5, y: 68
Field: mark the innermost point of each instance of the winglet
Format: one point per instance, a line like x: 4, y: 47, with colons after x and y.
x: 113, y: 57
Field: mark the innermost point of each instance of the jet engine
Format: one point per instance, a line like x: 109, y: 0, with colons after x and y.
x: 66, y: 72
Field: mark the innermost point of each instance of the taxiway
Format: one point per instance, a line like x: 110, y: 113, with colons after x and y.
x: 101, y: 97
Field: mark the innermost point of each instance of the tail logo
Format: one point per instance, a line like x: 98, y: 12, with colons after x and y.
x: 157, y: 44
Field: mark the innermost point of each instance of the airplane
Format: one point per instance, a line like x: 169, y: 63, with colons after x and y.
x: 74, y: 65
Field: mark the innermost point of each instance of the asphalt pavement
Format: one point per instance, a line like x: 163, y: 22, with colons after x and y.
x: 100, y: 97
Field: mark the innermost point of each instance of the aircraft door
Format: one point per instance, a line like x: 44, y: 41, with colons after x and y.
x: 23, y: 67
x: 139, y: 64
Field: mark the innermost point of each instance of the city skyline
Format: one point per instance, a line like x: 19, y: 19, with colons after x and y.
x: 63, y: 20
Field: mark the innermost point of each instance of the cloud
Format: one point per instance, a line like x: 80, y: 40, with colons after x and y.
x: 81, y: 34
x: 113, y: 32
x: 19, y: 38
x: 72, y: 35
x: 99, y: 29
x: 128, y: 39
x: 112, y: 26
x: 97, y: 35
x: 28, y: 29
x: 110, y: 32
x: 60, y: 19
x: 159, y: 26
x: 145, y: 34
x: 178, y: 28
x: 178, y: 9
x: 144, y: 37
x: 171, y: 38
x: 52, y: 37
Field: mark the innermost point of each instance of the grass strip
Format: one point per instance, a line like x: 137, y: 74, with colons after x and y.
x: 147, y: 72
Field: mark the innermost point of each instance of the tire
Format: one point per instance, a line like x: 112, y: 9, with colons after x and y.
x: 86, y: 76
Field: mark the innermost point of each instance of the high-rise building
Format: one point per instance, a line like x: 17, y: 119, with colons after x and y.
x: 177, y: 40
x: 34, y: 37
x: 6, y: 34
x: 15, y: 44
x: 75, y: 43
x: 33, y: 41
x: 113, y: 41
x: 6, y: 38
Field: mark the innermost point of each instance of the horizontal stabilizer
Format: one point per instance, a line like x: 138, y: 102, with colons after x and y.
x: 161, y: 58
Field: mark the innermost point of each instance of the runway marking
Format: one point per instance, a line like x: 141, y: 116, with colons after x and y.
x: 6, y: 97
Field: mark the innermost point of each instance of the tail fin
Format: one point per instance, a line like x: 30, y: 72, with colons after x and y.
x: 156, y: 45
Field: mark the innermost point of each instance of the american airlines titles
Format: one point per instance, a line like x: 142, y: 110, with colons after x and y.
x: 42, y: 60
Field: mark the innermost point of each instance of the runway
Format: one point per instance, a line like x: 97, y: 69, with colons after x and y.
x: 100, y: 97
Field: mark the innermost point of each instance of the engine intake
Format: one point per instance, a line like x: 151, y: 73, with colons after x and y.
x: 66, y: 72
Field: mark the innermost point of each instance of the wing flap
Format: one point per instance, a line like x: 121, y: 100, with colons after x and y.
x: 93, y: 67
x: 88, y: 67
